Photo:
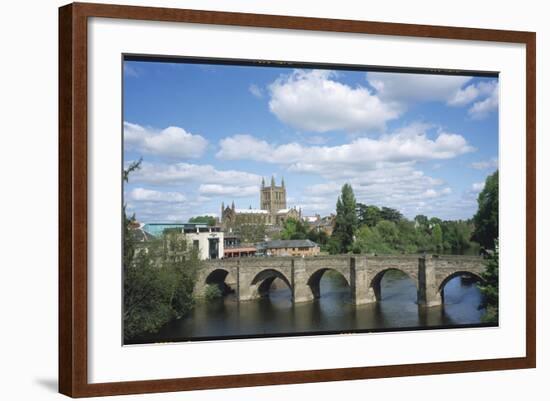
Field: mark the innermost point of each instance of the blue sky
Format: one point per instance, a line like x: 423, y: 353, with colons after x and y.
x: 421, y: 143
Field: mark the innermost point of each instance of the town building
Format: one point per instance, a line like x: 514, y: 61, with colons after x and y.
x: 292, y: 247
x: 273, y: 211
x: 208, y: 240
x: 325, y: 224
x: 233, y: 248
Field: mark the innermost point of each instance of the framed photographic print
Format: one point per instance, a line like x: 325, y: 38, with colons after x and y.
x: 238, y: 188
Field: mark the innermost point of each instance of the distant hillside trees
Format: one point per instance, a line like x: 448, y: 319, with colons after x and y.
x: 373, y: 229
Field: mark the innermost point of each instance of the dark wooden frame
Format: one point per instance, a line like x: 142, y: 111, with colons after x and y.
x: 73, y: 357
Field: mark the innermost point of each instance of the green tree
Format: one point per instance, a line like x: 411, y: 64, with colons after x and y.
x: 422, y: 222
x: 368, y: 214
x: 486, y: 218
x: 437, y: 237
x: 147, y: 295
x: 345, y: 222
x: 251, y: 233
x: 159, y: 277
x: 389, y: 214
x: 388, y: 232
x: 294, y: 229
x: 319, y: 237
x: 489, y: 287
x: 210, y: 220
x: 368, y: 240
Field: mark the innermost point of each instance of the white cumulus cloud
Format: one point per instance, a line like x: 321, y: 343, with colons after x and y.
x: 178, y: 173
x: 173, y: 142
x: 485, y: 164
x: 149, y: 195
x: 316, y: 101
x: 484, y: 107
x: 406, y: 87
x: 409, y: 145
x: 228, y: 190
x: 256, y: 91
x: 478, y: 186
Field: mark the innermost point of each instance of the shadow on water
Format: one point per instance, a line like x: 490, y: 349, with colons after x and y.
x: 275, y: 313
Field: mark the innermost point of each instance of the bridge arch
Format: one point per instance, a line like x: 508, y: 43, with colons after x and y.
x: 459, y: 273
x: 314, y: 280
x: 375, y: 284
x: 223, y: 279
x: 262, y: 282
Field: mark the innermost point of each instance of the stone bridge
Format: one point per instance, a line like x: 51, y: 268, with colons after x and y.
x: 252, y: 277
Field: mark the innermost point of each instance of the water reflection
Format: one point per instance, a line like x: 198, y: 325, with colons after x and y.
x: 275, y: 314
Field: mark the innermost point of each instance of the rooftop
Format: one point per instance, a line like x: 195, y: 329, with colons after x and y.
x: 251, y: 211
x: 287, y: 243
x: 157, y: 229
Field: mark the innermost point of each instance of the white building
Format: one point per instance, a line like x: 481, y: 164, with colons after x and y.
x: 208, y: 240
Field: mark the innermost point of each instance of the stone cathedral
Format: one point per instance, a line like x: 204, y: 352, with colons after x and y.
x: 273, y: 208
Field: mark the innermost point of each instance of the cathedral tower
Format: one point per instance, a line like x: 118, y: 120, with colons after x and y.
x: 273, y: 197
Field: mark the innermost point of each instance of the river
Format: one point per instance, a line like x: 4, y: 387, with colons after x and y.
x: 333, y: 312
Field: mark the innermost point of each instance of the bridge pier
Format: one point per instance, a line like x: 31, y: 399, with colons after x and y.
x: 428, y: 291
x: 360, y: 291
x: 246, y: 291
x: 301, y: 291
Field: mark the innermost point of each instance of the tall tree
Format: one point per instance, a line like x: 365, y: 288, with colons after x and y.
x: 345, y: 222
x: 486, y: 219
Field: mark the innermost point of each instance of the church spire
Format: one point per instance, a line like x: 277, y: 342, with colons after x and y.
x: 233, y: 205
x: 283, y: 182
x: 272, y: 181
x: 263, y: 182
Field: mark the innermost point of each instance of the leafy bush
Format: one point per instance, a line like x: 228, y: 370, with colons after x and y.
x: 212, y: 291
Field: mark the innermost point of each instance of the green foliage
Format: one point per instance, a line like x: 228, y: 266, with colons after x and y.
x: 158, y: 284
x: 251, y: 232
x: 159, y: 277
x: 437, y: 237
x: 211, y: 221
x: 388, y: 232
x: 486, y: 218
x: 422, y: 222
x: 405, y: 236
x: 319, y: 237
x: 212, y: 291
x: 489, y: 287
x: 369, y: 240
x: 147, y: 296
x: 345, y: 222
x: 368, y: 215
x: 294, y: 229
x: 334, y: 244
x: 389, y: 214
